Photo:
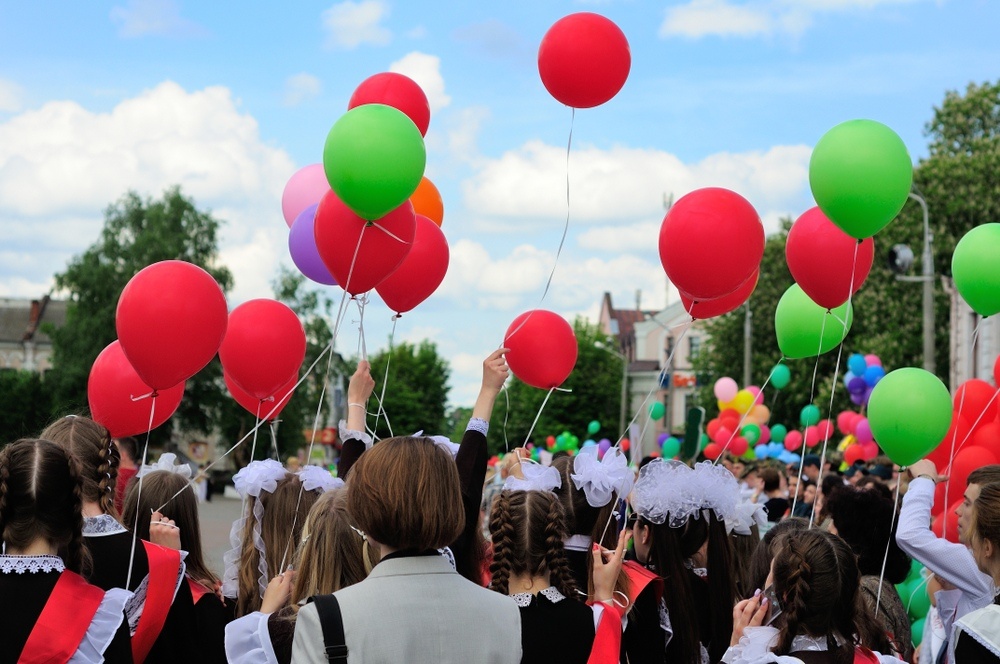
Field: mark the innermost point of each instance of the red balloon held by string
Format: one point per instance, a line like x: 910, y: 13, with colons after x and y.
x: 712, y: 451
x: 171, y: 319
x: 711, y: 242
x: 974, y: 400
x: 360, y: 254
x: 820, y: 257
x: 422, y: 270
x: 113, y: 391
x: 542, y: 348
x: 264, y: 345
x: 396, y: 90
x: 702, y: 309
x: 263, y: 408
x: 584, y: 60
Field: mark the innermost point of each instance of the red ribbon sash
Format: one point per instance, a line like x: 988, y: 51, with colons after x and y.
x: 164, y: 566
x: 197, y: 590
x: 639, y: 577
x: 64, y: 621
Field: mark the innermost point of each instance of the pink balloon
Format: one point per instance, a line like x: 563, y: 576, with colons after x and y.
x: 793, y: 440
x: 863, y: 432
x: 870, y: 450
x: 765, y: 434
x: 726, y: 389
x: 306, y: 187
x: 758, y: 396
x: 873, y: 361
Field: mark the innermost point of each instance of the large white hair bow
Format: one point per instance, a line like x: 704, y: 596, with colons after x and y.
x: 744, y: 516
x: 167, y: 462
x: 316, y: 478
x: 666, y: 489
x: 536, y: 478
x: 600, y: 480
x: 259, y: 476
x: 441, y: 441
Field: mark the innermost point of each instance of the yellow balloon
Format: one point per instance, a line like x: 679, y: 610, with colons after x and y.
x: 846, y: 442
x: 743, y: 401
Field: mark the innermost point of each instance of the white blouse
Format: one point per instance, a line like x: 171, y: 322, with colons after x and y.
x: 757, y: 643
x: 248, y: 640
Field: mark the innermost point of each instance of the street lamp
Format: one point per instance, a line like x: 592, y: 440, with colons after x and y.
x: 621, y: 416
x: 900, y: 260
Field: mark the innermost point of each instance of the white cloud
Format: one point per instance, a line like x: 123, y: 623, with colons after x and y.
x: 755, y: 18
x: 351, y: 24
x: 11, y: 96
x: 624, y: 183
x: 62, y: 164
x: 426, y: 71
x: 139, y: 18
x: 300, y: 87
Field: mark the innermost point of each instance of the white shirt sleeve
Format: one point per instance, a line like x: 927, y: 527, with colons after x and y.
x: 248, y: 640
x: 109, y: 617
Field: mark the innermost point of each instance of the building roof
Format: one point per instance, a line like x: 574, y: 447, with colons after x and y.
x: 21, y: 319
x: 624, y: 319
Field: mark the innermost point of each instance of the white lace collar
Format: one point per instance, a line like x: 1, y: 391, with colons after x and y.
x: 33, y: 564
x: 806, y: 643
x: 550, y: 593
x: 101, y: 526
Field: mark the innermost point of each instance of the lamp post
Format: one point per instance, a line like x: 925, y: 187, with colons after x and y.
x: 621, y: 415
x: 900, y: 260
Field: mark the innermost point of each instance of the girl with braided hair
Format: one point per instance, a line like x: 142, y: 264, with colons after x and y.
x: 811, y: 611
x: 529, y: 564
x: 51, y: 613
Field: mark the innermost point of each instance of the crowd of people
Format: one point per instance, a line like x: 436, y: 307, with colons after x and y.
x: 418, y: 551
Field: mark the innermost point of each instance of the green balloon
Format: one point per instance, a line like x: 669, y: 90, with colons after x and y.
x: 909, y: 413
x: 778, y: 433
x: 374, y: 158
x: 703, y: 441
x: 917, y: 603
x: 809, y: 415
x: 593, y: 427
x: 671, y: 448
x: 657, y: 410
x: 751, y: 432
x: 860, y: 175
x: 917, y: 632
x: 780, y: 375
x: 805, y: 329
x: 976, y: 268
x: 915, y: 569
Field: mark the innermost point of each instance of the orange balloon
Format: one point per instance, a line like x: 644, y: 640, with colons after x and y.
x: 426, y: 200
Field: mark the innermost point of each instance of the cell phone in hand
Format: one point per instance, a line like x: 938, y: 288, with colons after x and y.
x: 773, y: 605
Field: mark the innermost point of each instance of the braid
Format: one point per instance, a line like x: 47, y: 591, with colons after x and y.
x: 798, y: 583
x: 77, y: 556
x: 555, y: 556
x: 502, y: 527
x: 106, y: 485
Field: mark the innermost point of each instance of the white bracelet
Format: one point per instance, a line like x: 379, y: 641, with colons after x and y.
x: 357, y: 405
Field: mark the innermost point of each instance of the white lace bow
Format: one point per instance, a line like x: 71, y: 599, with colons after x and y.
x: 536, y: 478
x: 670, y: 490
x: 168, y: 462
x: 316, y: 478
x: 441, y: 441
x: 600, y: 480
x: 744, y: 516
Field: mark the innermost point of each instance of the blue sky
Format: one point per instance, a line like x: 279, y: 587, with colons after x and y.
x: 229, y: 99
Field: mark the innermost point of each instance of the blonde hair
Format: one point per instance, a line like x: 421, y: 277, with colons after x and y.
x: 90, y: 444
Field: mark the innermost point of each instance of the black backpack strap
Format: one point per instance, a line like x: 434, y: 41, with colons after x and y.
x: 332, y: 623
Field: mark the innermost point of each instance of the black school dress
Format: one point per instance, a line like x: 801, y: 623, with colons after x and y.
x: 554, y: 629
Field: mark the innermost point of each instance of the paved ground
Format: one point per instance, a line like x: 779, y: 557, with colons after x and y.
x: 216, y: 519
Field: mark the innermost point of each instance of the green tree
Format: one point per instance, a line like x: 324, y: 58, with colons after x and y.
x: 27, y: 404
x: 136, y: 233
x: 416, y: 391
x: 595, y: 394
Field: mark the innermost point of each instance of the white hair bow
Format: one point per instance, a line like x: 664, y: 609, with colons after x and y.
x: 744, y: 516
x: 442, y: 442
x: 600, y: 480
x: 536, y: 478
x: 167, y: 462
x: 316, y: 478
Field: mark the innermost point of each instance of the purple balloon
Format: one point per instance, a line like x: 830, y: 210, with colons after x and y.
x: 857, y: 399
x: 661, y: 438
x: 302, y: 247
x: 604, y: 445
x: 867, y: 395
x: 857, y: 385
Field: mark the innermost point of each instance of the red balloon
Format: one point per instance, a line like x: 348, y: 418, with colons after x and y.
x: 853, y: 454
x: 974, y: 401
x: 870, y: 450
x: 264, y: 345
x: 967, y: 460
x: 958, y: 433
x: 171, y: 320
x: 825, y: 428
x: 739, y: 446
x: 713, y: 426
x: 421, y: 272
x: 820, y: 257
x: 364, y: 252
x: 263, y: 408
x: 112, y: 385
x: 711, y: 243
x: 730, y: 413
x: 813, y: 436
x: 996, y: 371
x: 731, y: 422
x: 723, y: 435
x: 845, y: 422
x: 712, y: 451
x: 584, y: 60
x: 793, y: 440
x: 987, y: 436
x: 625, y: 444
x: 542, y: 348
x: 946, y: 524
x: 702, y: 309
x: 396, y: 90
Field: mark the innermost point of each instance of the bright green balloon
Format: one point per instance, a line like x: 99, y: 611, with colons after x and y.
x: 909, y: 413
x: 915, y: 568
x: 657, y: 410
x: 751, y: 432
x: 805, y: 329
x: 975, y: 265
x: 778, y: 433
x: 671, y: 448
x: 917, y: 603
x: 860, y: 174
x: 780, y: 375
x: 917, y: 632
x: 593, y: 427
x: 809, y: 415
x: 374, y: 158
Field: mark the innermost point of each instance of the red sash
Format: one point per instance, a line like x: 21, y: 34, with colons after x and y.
x: 863, y: 655
x: 164, y: 566
x: 64, y: 621
x: 608, y: 637
x: 639, y: 577
x: 198, y: 590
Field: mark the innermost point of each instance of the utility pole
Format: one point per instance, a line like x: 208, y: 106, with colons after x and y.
x: 747, y: 344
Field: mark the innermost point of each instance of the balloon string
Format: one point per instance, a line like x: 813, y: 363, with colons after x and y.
x: 138, y: 497
x: 385, y: 380
x: 888, y: 543
x: 253, y: 445
x: 354, y: 259
x: 819, y: 352
x: 385, y: 230
x: 954, y: 436
x: 506, y: 415
x: 274, y: 439
x: 972, y: 428
x: 143, y: 396
x: 539, y: 414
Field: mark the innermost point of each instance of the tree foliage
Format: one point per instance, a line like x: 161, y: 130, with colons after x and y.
x: 416, y: 390
x: 136, y: 233
x: 27, y: 405
x: 595, y: 394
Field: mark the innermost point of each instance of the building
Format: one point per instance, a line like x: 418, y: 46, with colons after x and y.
x: 660, y: 347
x: 969, y: 360
x: 24, y: 345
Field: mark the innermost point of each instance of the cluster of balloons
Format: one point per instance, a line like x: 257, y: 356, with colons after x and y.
x: 913, y: 592
x: 863, y: 374
x: 742, y: 420
x: 859, y: 442
x: 367, y: 217
x: 564, y: 442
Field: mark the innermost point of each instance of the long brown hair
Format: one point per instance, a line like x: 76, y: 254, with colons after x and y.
x: 528, y: 529
x: 40, y: 497
x: 285, y: 513
x: 163, y: 486
x: 90, y: 444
